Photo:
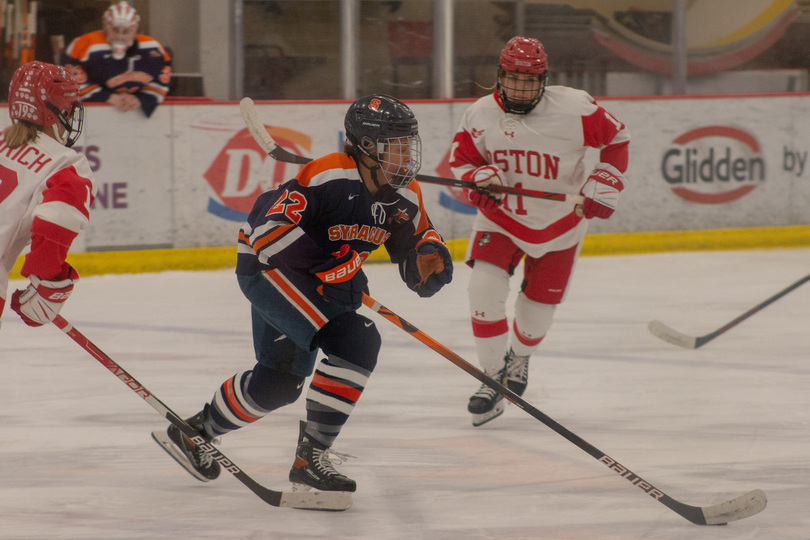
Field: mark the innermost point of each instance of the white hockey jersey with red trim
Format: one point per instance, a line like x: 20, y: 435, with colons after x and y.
x: 47, y: 182
x: 544, y: 150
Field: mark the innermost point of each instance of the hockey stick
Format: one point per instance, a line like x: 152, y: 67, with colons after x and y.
x: 312, y: 500
x: 266, y: 142
x: 661, y: 330
x: 741, y: 507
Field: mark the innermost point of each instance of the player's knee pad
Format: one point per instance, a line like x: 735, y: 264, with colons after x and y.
x: 271, y: 389
x: 353, y: 338
x: 488, y: 289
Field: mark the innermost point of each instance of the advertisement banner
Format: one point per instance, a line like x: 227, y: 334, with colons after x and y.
x: 188, y: 176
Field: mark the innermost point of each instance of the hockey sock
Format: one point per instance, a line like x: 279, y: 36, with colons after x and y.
x: 488, y: 290
x: 532, y: 322
x: 248, y: 396
x: 333, y: 392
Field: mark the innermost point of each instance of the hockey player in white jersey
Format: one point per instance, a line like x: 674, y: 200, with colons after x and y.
x: 529, y: 135
x: 46, y: 188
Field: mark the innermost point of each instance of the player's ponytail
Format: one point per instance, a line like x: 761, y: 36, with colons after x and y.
x: 20, y: 133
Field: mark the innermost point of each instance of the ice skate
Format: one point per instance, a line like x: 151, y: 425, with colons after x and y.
x: 487, y: 404
x: 517, y: 372
x: 313, y: 468
x: 197, y: 460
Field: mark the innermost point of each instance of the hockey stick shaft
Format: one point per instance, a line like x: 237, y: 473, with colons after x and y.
x: 668, y: 334
x: 269, y: 145
x: 738, y: 508
x: 270, y: 496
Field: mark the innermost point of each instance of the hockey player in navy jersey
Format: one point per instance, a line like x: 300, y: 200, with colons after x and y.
x: 299, y: 263
x: 118, y: 66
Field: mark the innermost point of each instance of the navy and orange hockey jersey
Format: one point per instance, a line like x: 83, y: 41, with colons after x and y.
x: 144, y: 71
x: 301, y: 223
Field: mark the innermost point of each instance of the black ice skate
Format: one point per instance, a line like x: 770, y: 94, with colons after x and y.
x: 195, y: 459
x: 313, y: 468
x: 487, y: 404
x: 517, y: 372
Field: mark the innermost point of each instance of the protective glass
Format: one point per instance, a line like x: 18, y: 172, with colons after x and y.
x: 400, y: 159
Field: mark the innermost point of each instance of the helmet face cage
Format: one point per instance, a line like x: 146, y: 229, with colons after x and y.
x: 519, y: 92
x: 47, y: 96
x: 385, y: 129
x: 522, y: 74
x: 400, y: 158
x: 72, y: 121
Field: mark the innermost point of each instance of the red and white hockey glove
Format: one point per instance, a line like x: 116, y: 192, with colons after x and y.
x: 601, y: 191
x: 40, y: 302
x: 343, y: 279
x: 483, y: 177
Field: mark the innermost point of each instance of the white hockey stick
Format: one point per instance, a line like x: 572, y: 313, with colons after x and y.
x: 257, y: 129
x: 667, y: 333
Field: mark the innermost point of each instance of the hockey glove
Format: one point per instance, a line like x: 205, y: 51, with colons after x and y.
x: 601, y: 191
x: 343, y: 279
x: 483, y: 177
x: 428, y: 268
x: 40, y: 302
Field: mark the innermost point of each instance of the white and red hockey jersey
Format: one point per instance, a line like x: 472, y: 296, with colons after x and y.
x: 46, y: 190
x: 543, y: 150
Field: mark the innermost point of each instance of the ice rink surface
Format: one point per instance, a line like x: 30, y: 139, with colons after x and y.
x: 704, y: 426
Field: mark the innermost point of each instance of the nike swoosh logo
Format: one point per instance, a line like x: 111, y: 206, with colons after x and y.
x: 352, y: 196
x: 299, y: 385
x: 368, y: 324
x: 280, y: 338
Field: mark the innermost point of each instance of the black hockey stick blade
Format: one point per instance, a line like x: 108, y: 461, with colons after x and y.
x: 740, y: 507
x: 667, y: 333
x: 308, y: 500
x: 256, y: 128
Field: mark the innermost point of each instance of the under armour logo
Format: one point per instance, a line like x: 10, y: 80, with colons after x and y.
x: 479, y: 314
x: 509, y: 134
x: 476, y: 132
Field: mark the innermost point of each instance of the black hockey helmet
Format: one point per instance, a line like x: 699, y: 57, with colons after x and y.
x: 379, y: 123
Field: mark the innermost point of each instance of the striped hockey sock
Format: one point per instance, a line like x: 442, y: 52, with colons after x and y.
x: 333, y: 392
x: 231, y: 407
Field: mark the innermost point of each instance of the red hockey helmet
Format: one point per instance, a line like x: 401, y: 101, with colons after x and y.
x: 524, y: 55
x: 522, y: 60
x: 47, y: 96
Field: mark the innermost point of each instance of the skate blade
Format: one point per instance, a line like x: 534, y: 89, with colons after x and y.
x: 305, y: 497
x: 481, y: 419
x: 162, y: 438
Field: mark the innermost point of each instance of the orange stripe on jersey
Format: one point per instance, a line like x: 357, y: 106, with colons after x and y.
x: 80, y: 46
x: 271, y: 237
x: 89, y: 89
x: 423, y: 223
x: 300, y: 302
x: 337, y: 388
x: 332, y: 161
x: 141, y: 39
x: 234, y: 404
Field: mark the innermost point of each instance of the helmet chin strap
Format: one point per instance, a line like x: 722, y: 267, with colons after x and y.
x: 381, y: 188
x: 61, y: 139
